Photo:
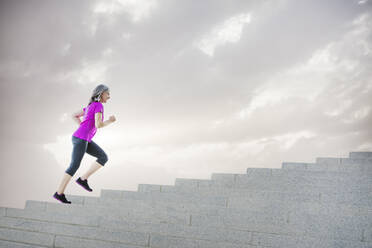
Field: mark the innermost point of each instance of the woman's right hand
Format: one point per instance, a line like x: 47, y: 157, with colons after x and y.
x: 112, y: 118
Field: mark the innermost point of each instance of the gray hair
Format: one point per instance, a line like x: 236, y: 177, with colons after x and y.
x: 96, y: 94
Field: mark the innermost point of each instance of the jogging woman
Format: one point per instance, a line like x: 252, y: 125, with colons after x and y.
x: 83, y: 143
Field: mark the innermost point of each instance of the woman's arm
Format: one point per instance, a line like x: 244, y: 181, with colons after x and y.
x: 98, y: 120
x: 76, y: 116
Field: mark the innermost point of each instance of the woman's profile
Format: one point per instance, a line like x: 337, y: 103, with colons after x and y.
x: 83, y: 143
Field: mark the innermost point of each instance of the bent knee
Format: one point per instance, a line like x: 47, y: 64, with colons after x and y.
x: 102, y: 159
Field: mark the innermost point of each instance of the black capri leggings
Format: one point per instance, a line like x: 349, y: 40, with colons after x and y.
x: 81, y: 146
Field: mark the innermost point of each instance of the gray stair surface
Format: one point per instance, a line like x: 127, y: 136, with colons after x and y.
x: 324, y: 204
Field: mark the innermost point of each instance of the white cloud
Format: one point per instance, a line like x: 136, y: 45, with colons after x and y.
x: 138, y: 9
x: 366, y: 146
x: 228, y: 31
x: 359, y: 35
x: 107, y: 52
x: 126, y: 36
x: 340, y: 109
x: 66, y: 49
x: 362, y: 113
x: 92, y: 72
x: 288, y: 140
x: 361, y: 2
x: 63, y: 143
x: 64, y: 117
x: 323, y: 68
x: 357, y: 115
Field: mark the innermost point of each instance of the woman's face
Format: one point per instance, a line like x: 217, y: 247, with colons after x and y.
x: 105, y: 96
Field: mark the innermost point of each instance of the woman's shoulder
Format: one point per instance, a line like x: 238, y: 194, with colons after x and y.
x: 99, y: 104
x: 96, y: 103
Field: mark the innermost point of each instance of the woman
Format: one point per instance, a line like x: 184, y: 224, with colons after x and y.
x: 82, y: 140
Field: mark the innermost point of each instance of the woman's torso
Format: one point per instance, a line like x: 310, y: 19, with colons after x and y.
x: 87, y: 128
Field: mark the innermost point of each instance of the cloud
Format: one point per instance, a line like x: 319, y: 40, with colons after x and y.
x: 138, y: 9
x: 229, y: 31
x: 361, y: 2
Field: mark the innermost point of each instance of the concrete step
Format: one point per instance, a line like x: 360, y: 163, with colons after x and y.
x: 276, y: 208
x: 343, y: 161
x: 11, y: 244
x: 161, y: 240
x: 350, y: 193
x: 135, y: 234
x: 180, y: 212
x: 166, y: 196
x: 308, y: 195
x: 325, y: 180
x: 360, y: 155
x: 348, y: 199
x: 28, y: 237
x: 291, y: 195
x: 223, y: 191
x: 161, y: 231
x: 310, y: 173
x: 350, y: 168
x: 265, y: 206
x: 213, y: 186
x: 137, y: 210
x: 275, y: 211
x: 326, y: 204
x: 210, y: 228
x: 43, y: 232
x: 185, y: 192
x: 277, y: 184
x: 107, y: 208
x: 353, y: 198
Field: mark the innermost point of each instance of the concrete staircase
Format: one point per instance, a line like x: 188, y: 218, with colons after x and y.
x: 326, y: 204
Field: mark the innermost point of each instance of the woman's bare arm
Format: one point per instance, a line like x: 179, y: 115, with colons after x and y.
x: 76, y: 116
x: 98, y: 120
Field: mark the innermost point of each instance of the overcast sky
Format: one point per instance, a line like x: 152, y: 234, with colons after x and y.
x: 197, y: 87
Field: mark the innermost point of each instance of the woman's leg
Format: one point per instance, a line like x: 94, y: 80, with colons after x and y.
x: 93, y: 168
x: 78, y: 151
x: 96, y: 151
x: 66, y: 178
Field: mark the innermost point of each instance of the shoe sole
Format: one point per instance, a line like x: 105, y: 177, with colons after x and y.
x: 83, y: 186
x: 61, y: 201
